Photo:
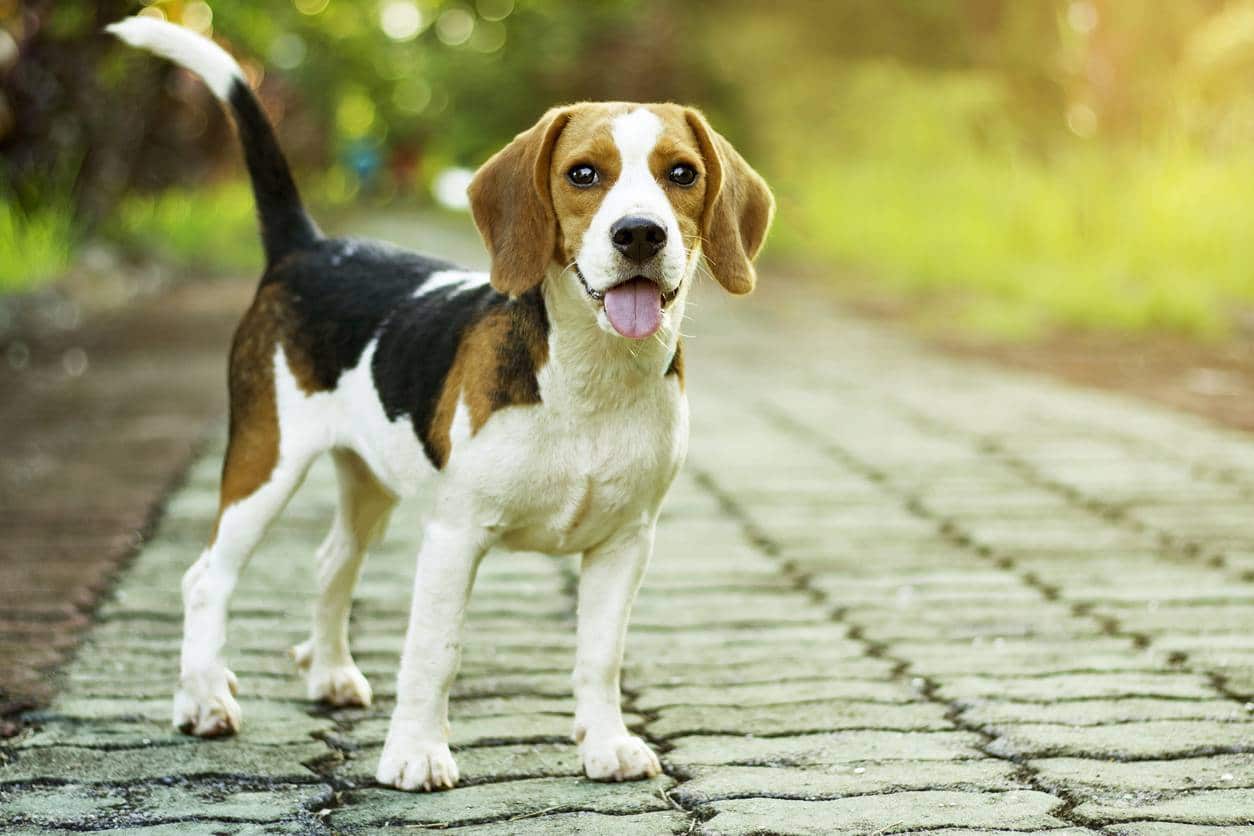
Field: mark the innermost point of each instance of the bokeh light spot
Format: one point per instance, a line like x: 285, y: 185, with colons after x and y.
x: 1082, y: 16
x: 412, y: 95
x: 8, y: 50
x: 198, y: 17
x: 1082, y: 120
x: 310, y: 7
x: 455, y: 26
x: 74, y: 362
x: 494, y: 9
x: 401, y: 20
x: 287, y: 51
x: 489, y: 36
x: 355, y: 114
x: 153, y: 12
x: 450, y: 188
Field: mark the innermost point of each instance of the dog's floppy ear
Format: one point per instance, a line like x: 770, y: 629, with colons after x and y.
x: 738, y: 209
x: 513, y: 207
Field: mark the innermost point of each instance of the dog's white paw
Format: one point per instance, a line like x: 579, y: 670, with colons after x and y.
x: 623, y: 757
x: 342, y: 686
x: 417, y: 766
x: 339, y: 685
x: 205, y: 705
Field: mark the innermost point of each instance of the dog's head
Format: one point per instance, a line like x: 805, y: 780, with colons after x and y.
x: 623, y: 199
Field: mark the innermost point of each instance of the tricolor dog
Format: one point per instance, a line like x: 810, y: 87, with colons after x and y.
x: 545, y: 398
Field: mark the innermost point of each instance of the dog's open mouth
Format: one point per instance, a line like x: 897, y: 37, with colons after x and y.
x: 634, y: 307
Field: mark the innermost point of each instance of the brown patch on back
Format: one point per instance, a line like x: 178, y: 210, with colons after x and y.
x: 495, y: 367
x: 253, y: 446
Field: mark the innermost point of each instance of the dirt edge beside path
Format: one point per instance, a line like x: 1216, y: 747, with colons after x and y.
x: 104, y: 406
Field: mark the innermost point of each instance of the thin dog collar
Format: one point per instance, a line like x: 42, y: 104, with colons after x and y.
x: 599, y: 295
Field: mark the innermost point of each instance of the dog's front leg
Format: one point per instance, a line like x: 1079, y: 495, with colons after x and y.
x: 608, y: 580
x: 416, y: 754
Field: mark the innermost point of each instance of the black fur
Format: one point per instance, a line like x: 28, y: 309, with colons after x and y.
x: 285, y: 225
x: 344, y: 292
x: 341, y: 291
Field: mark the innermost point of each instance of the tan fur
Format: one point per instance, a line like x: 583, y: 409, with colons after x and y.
x: 528, y: 214
x: 679, y: 144
x: 585, y: 139
x: 738, y: 212
x: 523, y: 211
x: 480, y: 374
x: 677, y: 363
x: 513, y: 209
x: 253, y: 448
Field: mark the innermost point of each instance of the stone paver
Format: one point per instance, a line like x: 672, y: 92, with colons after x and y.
x: 892, y: 593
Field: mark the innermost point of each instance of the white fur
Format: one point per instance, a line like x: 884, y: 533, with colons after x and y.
x: 184, y: 47
x: 635, y: 192
x: 584, y: 471
x: 459, y: 279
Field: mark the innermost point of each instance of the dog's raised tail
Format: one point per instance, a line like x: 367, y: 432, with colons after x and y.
x: 285, y: 225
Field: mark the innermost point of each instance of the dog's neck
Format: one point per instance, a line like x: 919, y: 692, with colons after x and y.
x: 595, y: 367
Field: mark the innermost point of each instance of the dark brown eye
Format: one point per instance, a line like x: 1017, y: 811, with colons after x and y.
x: 682, y: 175
x: 583, y: 176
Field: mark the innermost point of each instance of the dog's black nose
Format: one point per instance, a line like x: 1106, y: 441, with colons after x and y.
x: 637, y: 238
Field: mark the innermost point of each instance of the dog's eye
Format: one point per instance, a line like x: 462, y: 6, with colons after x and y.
x: 583, y: 176
x: 682, y: 175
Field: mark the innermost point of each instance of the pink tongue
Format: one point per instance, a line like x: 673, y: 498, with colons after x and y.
x: 634, y: 308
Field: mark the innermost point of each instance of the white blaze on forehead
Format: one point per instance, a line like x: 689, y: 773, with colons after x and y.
x: 635, y: 192
x: 636, y: 133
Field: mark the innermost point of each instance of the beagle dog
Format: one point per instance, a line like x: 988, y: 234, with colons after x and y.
x: 545, y: 398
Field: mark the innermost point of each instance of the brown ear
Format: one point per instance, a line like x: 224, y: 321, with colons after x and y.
x: 738, y: 209
x: 513, y: 208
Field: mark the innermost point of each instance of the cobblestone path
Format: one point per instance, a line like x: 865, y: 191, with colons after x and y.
x: 892, y: 593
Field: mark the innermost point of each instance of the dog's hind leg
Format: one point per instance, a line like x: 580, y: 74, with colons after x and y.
x: 365, y: 504
x: 265, y: 464
x: 204, y: 704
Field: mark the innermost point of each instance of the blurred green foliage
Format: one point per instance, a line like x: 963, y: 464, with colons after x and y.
x: 1020, y: 166
x: 35, y: 245
x: 211, y: 229
x: 1043, y: 166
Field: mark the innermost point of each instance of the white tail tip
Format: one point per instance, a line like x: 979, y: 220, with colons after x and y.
x: 184, y: 47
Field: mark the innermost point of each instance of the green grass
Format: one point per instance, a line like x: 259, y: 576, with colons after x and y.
x: 35, y: 246
x: 997, y: 241
x: 209, y: 229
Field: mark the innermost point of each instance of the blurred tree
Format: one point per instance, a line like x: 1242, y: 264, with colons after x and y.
x: 409, y: 86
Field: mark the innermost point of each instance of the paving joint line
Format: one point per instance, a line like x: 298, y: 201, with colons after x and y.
x: 1213, y: 473
x: 875, y: 649
x: 928, y: 687
x: 570, y: 590
x: 1109, y: 513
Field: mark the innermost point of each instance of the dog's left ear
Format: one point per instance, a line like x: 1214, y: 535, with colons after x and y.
x: 738, y: 209
x: 513, y: 207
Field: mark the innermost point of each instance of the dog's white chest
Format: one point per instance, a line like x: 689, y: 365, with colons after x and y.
x: 556, y: 480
